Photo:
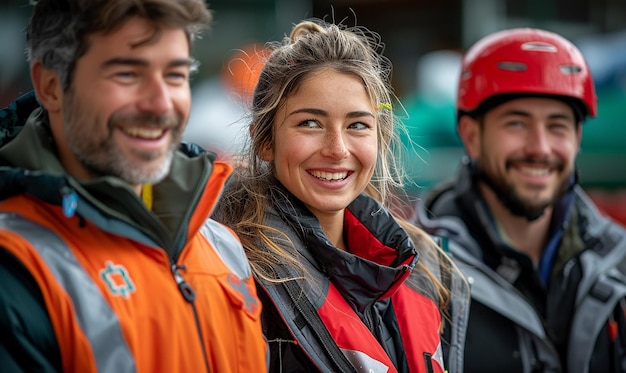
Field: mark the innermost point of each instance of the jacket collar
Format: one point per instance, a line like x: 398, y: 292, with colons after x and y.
x: 31, y: 166
x: 463, y: 199
x: 386, y: 255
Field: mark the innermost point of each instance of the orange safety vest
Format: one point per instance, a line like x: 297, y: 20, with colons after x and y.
x: 118, y: 305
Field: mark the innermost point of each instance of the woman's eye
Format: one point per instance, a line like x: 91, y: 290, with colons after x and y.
x: 359, y: 126
x: 310, y: 123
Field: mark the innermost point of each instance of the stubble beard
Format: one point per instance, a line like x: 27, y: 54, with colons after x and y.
x: 509, y: 195
x: 101, y: 156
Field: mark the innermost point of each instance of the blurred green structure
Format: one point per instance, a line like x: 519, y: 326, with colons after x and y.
x: 432, y: 130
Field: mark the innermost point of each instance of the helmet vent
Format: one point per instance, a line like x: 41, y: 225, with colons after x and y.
x: 512, y: 66
x: 537, y: 46
x: 570, y: 69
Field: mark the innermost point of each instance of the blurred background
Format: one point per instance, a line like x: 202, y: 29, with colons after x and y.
x: 424, y: 39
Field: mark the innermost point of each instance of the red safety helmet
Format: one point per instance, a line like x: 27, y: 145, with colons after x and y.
x: 525, y: 62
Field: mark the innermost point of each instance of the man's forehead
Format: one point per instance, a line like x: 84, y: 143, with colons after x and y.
x: 137, y: 32
x: 534, y: 106
x: 139, y: 42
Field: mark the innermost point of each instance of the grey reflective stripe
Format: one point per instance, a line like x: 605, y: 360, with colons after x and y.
x: 498, y: 294
x: 227, y: 247
x: 363, y: 363
x: 94, y: 315
x: 592, y: 313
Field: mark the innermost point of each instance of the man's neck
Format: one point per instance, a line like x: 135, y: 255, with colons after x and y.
x: 525, y: 236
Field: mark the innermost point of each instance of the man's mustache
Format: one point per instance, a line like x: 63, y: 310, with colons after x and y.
x: 170, y: 120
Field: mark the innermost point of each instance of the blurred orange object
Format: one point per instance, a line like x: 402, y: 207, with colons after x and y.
x: 243, y: 70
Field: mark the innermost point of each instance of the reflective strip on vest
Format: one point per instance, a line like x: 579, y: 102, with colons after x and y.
x: 223, y: 241
x: 94, y: 315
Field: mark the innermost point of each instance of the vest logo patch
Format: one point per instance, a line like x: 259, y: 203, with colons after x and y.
x: 249, y: 301
x: 117, y: 279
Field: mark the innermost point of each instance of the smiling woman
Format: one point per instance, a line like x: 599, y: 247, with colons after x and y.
x: 341, y: 283
x: 328, y: 146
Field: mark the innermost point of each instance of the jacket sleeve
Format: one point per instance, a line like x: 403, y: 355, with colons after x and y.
x: 27, y: 339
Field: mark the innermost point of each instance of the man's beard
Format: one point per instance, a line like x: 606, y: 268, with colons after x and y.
x: 101, y: 156
x: 513, y: 201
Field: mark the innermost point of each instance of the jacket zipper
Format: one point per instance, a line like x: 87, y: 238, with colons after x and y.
x: 190, y: 296
x: 368, y: 320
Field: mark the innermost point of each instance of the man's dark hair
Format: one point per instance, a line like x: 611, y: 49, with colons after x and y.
x: 58, y: 31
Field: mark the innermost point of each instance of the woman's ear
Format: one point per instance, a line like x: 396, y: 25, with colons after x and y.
x: 469, y: 132
x: 48, y: 87
x: 267, y: 153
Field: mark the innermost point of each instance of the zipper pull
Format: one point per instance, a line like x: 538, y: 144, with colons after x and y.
x: 186, y: 290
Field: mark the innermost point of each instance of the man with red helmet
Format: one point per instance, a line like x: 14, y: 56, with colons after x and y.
x: 544, y: 265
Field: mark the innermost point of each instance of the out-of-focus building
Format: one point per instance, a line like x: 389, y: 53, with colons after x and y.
x: 424, y: 40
